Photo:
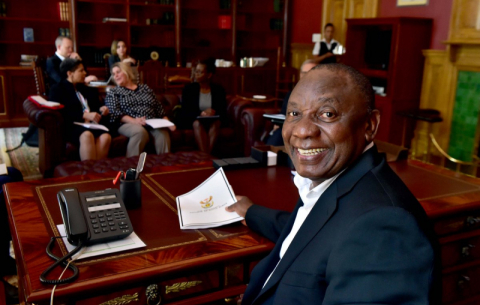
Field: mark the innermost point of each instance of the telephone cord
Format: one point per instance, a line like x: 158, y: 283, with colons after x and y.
x: 43, y: 276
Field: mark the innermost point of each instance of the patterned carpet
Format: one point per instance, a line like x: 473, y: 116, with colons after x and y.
x: 24, y: 158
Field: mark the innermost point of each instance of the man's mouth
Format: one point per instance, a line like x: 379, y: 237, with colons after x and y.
x: 311, y: 152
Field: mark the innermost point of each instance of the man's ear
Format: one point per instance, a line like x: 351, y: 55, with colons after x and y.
x: 372, y: 125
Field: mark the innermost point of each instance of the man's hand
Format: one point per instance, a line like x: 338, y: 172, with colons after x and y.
x: 90, y: 78
x: 240, y: 207
x: 74, y: 55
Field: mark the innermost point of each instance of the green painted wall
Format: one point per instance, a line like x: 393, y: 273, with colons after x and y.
x: 465, y: 116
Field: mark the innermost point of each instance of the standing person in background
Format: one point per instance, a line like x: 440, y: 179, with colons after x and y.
x: 82, y: 106
x: 130, y: 105
x: 64, y: 47
x: 203, y: 98
x: 119, y: 54
x: 323, y: 50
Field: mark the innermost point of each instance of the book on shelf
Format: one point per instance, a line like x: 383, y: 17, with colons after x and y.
x: 40, y: 101
x: 61, y: 32
x: 63, y: 11
x: 111, y: 19
x: 28, y: 35
x: 3, y: 9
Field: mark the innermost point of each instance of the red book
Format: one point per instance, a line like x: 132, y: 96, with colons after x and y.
x: 41, y: 102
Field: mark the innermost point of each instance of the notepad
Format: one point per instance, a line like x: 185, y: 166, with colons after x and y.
x: 40, y: 101
x: 92, y: 126
x: 159, y: 123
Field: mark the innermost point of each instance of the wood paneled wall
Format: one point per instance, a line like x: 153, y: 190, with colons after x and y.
x: 336, y: 12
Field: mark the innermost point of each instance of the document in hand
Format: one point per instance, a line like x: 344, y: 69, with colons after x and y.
x: 92, y: 126
x: 204, y: 206
x: 159, y: 123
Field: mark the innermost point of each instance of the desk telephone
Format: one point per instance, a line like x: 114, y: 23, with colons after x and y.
x: 89, y: 218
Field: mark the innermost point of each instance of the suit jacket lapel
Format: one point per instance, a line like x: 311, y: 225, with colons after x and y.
x: 322, y: 211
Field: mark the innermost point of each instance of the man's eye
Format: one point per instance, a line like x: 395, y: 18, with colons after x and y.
x: 293, y: 113
x: 328, y: 115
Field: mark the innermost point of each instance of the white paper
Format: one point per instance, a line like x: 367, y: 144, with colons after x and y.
x: 275, y: 116
x: 204, y: 206
x: 3, y: 169
x: 132, y: 241
x: 159, y: 123
x: 92, y: 126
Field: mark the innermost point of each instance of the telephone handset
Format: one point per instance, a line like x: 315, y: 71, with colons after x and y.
x: 89, y: 218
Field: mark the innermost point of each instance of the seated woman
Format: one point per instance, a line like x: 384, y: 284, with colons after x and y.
x: 130, y: 105
x: 203, y: 99
x: 82, y: 106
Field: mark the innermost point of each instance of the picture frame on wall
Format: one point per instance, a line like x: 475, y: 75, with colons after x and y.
x: 411, y: 2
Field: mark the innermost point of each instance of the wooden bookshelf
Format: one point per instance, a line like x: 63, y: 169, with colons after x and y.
x: 389, y: 52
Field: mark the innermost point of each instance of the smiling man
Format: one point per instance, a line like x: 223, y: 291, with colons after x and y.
x: 357, y: 234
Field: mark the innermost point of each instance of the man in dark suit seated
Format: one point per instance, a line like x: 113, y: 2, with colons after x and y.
x: 64, y: 50
x: 357, y: 235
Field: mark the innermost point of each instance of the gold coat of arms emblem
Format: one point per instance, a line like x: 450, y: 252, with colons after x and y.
x: 207, y: 202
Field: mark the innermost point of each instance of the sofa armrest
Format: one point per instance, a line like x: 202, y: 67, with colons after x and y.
x: 51, y: 141
x: 254, y: 125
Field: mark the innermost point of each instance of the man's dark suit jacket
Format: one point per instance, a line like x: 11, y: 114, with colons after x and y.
x: 367, y: 240
x: 53, y: 70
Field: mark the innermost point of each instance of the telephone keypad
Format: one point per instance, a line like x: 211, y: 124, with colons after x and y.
x: 108, y: 218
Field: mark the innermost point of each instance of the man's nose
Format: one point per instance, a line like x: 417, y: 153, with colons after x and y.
x: 306, y: 128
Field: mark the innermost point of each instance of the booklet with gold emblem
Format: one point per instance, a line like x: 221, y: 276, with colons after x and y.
x: 204, y: 206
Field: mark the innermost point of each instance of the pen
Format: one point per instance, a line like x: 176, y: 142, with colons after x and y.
x: 120, y: 173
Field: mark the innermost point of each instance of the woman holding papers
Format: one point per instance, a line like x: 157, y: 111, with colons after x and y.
x: 81, y: 106
x: 204, y: 106
x: 130, y: 106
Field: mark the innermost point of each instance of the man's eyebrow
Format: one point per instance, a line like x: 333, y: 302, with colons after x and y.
x: 331, y: 100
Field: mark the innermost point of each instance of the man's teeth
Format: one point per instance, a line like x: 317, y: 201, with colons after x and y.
x: 310, y: 152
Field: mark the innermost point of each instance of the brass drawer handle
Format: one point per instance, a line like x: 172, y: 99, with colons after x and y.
x: 463, y: 281
x: 471, y: 221
x: 466, y: 250
x: 152, y: 295
x: 123, y: 300
x: 177, y: 287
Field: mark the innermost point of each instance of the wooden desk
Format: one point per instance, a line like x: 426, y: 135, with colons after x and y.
x: 221, y: 258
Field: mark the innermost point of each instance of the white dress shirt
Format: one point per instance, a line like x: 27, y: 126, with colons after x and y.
x: 309, y: 197
x: 60, y: 56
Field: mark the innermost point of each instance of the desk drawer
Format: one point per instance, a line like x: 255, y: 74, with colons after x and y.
x: 461, y: 285
x: 459, y: 251
x: 166, y: 291
x: 455, y: 224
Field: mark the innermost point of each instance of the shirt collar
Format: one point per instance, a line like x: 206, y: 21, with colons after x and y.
x: 60, y: 56
x: 310, y: 196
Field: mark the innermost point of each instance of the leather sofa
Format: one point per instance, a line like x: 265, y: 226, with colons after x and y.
x: 54, y: 150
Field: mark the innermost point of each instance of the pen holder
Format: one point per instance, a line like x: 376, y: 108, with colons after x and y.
x: 131, y: 191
